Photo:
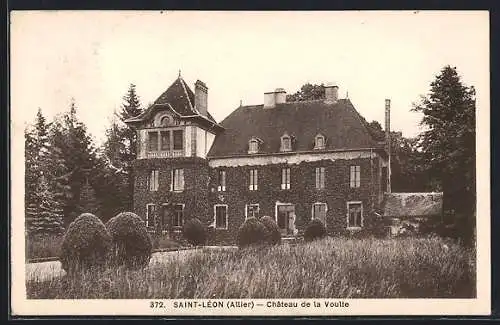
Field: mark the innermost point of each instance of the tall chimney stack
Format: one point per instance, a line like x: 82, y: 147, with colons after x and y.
x: 200, y: 97
x: 331, y: 93
x: 388, y: 141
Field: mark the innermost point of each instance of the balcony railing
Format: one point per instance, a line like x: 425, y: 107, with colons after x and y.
x: 165, y: 154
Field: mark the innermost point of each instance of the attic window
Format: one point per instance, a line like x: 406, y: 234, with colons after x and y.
x: 319, y: 142
x: 286, y: 143
x: 253, y: 145
x: 165, y: 120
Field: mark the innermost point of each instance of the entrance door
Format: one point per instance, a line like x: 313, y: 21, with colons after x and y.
x: 286, y: 215
x: 165, y: 217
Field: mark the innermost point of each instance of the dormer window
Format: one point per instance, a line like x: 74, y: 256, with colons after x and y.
x: 286, y: 143
x: 319, y: 142
x: 165, y: 120
x: 253, y: 145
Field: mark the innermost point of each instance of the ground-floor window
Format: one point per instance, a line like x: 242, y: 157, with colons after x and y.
x: 150, y: 214
x: 178, y: 216
x: 252, y: 210
x: 285, y: 218
x: 319, y: 212
x: 220, y: 215
x: 354, y: 214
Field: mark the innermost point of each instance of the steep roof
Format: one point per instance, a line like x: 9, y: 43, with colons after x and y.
x: 412, y: 204
x: 179, y: 97
x: 340, y: 124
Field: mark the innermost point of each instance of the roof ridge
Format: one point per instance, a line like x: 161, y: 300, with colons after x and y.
x: 183, y: 83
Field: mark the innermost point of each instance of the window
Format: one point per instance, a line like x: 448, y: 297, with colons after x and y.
x: 320, y: 177
x: 165, y: 140
x: 286, y: 143
x: 178, y: 216
x: 355, y: 176
x: 178, y: 180
x: 153, y: 141
x: 285, y: 179
x: 165, y: 120
x: 221, y: 187
x: 319, y: 212
x: 178, y: 139
x: 253, y: 180
x: 354, y: 215
x: 319, y: 142
x: 150, y: 214
x: 153, y: 180
x: 220, y: 212
x: 252, y: 211
x: 253, y: 146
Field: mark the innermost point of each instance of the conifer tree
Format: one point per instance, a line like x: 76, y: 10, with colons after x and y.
x: 448, y: 146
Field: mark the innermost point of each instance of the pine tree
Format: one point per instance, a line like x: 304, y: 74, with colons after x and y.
x: 76, y: 152
x: 448, y: 146
x: 48, y: 218
x: 119, y: 151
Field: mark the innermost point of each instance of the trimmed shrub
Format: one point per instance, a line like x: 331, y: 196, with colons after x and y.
x: 273, y: 232
x: 315, y: 230
x: 194, y: 232
x: 132, y: 246
x: 252, y: 232
x: 85, y: 245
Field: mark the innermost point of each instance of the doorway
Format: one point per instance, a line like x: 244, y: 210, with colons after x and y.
x: 285, y: 218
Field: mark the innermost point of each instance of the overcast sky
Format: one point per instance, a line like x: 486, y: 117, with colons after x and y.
x: 93, y: 56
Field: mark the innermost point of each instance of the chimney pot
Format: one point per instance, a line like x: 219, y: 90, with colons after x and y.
x: 200, y: 97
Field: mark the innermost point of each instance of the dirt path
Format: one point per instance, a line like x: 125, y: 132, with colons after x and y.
x: 45, y: 271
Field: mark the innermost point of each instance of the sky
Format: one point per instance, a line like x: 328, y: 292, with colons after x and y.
x: 93, y: 56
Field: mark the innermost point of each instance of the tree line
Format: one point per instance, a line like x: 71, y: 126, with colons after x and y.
x: 66, y: 173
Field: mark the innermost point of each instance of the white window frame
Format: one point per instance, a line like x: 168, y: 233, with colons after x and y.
x: 173, y: 179
x: 147, y: 213
x: 347, y: 215
x: 317, y: 178
x: 176, y: 228
x: 316, y: 145
x: 319, y: 203
x: 215, y: 215
x: 286, y: 186
x: 283, y: 148
x: 253, y: 142
x: 154, y: 182
x: 254, y: 175
x: 251, y: 204
x: 355, y: 176
x: 221, y: 187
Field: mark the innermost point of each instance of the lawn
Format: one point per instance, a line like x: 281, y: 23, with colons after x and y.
x: 340, y: 268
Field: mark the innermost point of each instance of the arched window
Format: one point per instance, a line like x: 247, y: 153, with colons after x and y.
x: 286, y: 142
x: 165, y: 120
x: 253, y: 145
x: 319, y: 142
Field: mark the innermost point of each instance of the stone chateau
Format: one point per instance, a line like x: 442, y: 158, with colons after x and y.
x: 293, y: 161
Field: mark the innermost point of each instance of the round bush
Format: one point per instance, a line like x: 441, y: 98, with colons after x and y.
x: 194, y: 232
x: 131, y: 244
x: 85, y: 244
x: 273, y: 232
x: 315, y: 230
x: 252, y: 232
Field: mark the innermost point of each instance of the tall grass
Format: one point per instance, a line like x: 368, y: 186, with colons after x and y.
x: 341, y: 268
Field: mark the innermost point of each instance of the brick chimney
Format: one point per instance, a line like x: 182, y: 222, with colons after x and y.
x: 200, y: 97
x: 278, y: 96
x: 331, y: 93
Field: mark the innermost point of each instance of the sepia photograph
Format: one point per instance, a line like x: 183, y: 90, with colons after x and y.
x: 250, y: 163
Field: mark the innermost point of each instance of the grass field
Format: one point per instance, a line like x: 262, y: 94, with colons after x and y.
x: 341, y: 268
